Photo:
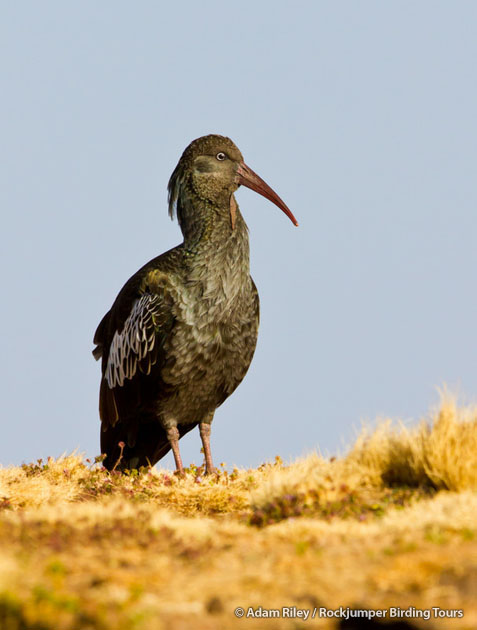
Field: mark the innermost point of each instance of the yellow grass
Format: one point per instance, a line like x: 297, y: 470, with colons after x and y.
x: 391, y: 524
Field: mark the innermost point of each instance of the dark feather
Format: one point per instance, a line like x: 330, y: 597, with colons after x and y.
x: 152, y: 320
x: 148, y: 445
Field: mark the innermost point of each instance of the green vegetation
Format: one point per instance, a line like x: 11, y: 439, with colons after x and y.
x: 392, y: 523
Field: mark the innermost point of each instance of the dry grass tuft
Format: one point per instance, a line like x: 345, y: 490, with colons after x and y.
x: 440, y: 453
x: 386, y: 467
x: 390, y: 524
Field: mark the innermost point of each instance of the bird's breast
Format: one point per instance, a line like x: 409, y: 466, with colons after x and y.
x: 212, y: 318
x: 211, y: 346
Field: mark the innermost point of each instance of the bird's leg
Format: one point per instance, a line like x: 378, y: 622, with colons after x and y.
x: 173, y: 437
x: 204, y: 428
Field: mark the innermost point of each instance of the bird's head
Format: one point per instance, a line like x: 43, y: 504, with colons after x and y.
x: 212, y: 168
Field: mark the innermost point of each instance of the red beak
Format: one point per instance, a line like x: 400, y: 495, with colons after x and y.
x: 248, y: 178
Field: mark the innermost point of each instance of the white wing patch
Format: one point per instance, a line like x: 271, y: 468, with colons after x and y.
x: 134, y: 342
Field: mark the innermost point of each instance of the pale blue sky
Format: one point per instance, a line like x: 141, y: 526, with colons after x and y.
x: 361, y: 115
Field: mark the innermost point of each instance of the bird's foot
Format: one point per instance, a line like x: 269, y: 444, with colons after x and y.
x: 204, y: 428
x: 173, y: 437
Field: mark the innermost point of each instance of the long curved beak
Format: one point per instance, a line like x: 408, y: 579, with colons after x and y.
x: 248, y: 178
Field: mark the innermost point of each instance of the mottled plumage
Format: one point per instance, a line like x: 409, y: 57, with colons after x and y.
x: 181, y: 334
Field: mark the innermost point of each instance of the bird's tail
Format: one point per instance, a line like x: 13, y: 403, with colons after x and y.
x: 127, y: 450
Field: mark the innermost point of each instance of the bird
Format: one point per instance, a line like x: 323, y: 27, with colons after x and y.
x: 180, y: 336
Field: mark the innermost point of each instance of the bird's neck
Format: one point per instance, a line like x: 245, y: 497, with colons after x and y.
x: 216, y: 254
x: 209, y: 229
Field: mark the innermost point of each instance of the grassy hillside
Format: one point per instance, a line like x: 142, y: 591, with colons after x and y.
x: 391, y: 525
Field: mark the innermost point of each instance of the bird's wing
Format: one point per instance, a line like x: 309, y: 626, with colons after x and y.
x: 135, y: 347
x: 130, y: 340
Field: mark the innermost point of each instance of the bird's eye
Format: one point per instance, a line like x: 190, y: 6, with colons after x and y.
x: 221, y: 156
